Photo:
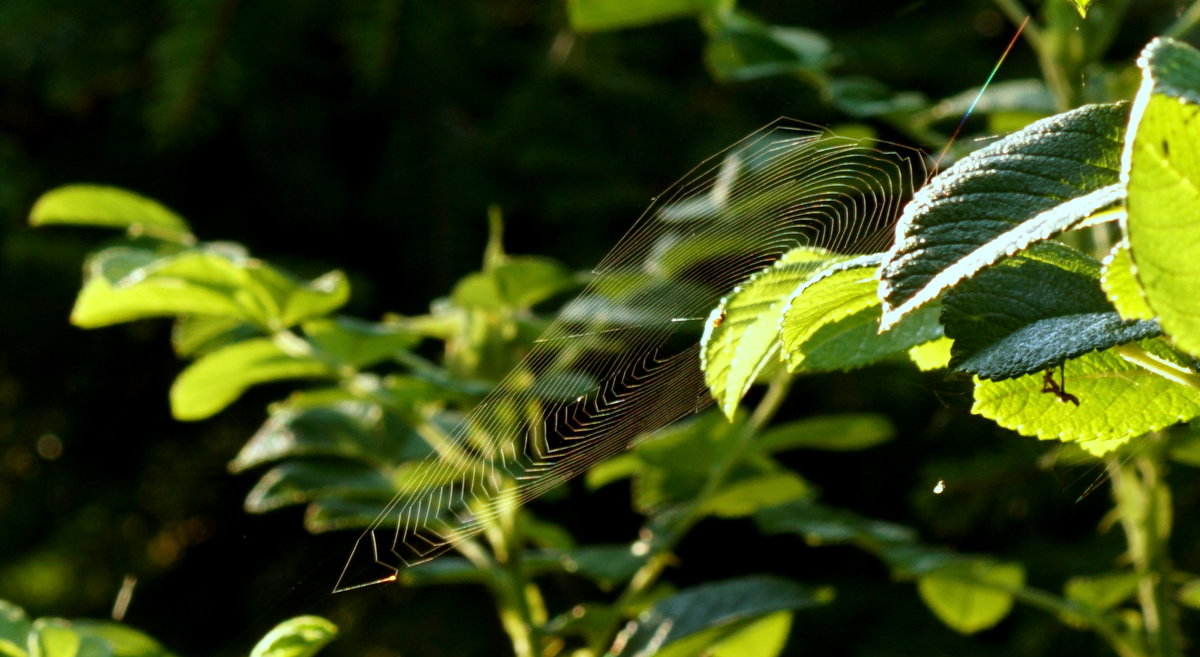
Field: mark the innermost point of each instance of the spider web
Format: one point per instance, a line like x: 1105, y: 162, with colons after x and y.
x: 622, y: 359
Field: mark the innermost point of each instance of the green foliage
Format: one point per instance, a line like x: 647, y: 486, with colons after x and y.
x: 730, y: 605
x: 972, y: 283
x: 110, y: 207
x: 1029, y: 186
x: 587, y: 15
x: 302, y: 636
x: 127, y: 282
x: 1161, y: 168
x: 1025, y: 315
x: 973, y: 595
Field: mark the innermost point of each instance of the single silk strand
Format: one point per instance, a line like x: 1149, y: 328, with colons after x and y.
x: 995, y: 69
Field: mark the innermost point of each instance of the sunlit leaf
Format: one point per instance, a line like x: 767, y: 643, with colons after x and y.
x: 302, y: 636
x: 742, y: 337
x: 358, y: 343
x: 518, y: 282
x: 1118, y: 400
x: 196, y: 335
x: 1189, y: 594
x: 845, y: 432
x: 933, y: 355
x: 54, y: 637
x: 1102, y: 592
x: 123, y: 284
x: 743, y: 498
x: 1162, y: 170
x: 716, y: 604
x: 971, y: 595
x: 593, y: 15
x: 14, y: 630
x: 998, y: 200
x: 831, y: 321
x: 220, y: 377
x: 761, y: 637
x: 111, y: 207
x: 1122, y: 286
x: 122, y: 640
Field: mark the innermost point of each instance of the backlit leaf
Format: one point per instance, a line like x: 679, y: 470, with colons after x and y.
x: 716, y: 604
x: 1162, y: 171
x: 742, y: 336
x: 971, y: 595
x: 302, y: 636
x: 1118, y: 400
x: 111, y: 207
x: 220, y: 377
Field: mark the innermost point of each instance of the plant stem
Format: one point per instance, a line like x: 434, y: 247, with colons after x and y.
x: 1135, y: 354
x: 1185, y: 23
x: 1143, y: 508
x: 511, y: 587
x: 1016, y: 14
x: 690, y: 514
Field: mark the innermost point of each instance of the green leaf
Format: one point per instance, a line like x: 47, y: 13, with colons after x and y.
x: 746, y: 338
x: 123, y: 284
x: 356, y: 342
x: 1102, y: 592
x: 346, y: 428
x: 741, y: 47
x: 518, y: 282
x: 1184, y: 447
x: 196, y: 335
x: 220, y: 377
x: 838, y: 433
x: 14, y: 630
x: 122, y: 640
x: 1189, y: 594
x: 1023, y: 316
x: 111, y: 207
x: 762, y: 637
x: 302, y: 636
x: 933, y: 355
x: 595, y: 15
x: 1121, y: 285
x: 998, y: 200
x: 971, y: 595
x: 1117, y: 400
x: 302, y: 481
x: 717, y: 604
x: 765, y: 637
x: 1162, y: 172
x: 54, y: 637
x: 1082, y: 6
x: 818, y: 524
x: 745, y: 497
x: 832, y: 322
x: 863, y: 97
x: 855, y: 341
x: 674, y: 461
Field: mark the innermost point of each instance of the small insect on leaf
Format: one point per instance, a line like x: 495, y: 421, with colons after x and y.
x: 1051, y: 386
x: 719, y: 319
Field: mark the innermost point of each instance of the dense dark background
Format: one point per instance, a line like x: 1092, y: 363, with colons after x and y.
x: 372, y: 136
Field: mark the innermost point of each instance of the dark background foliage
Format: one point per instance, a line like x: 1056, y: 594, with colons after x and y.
x: 372, y: 135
